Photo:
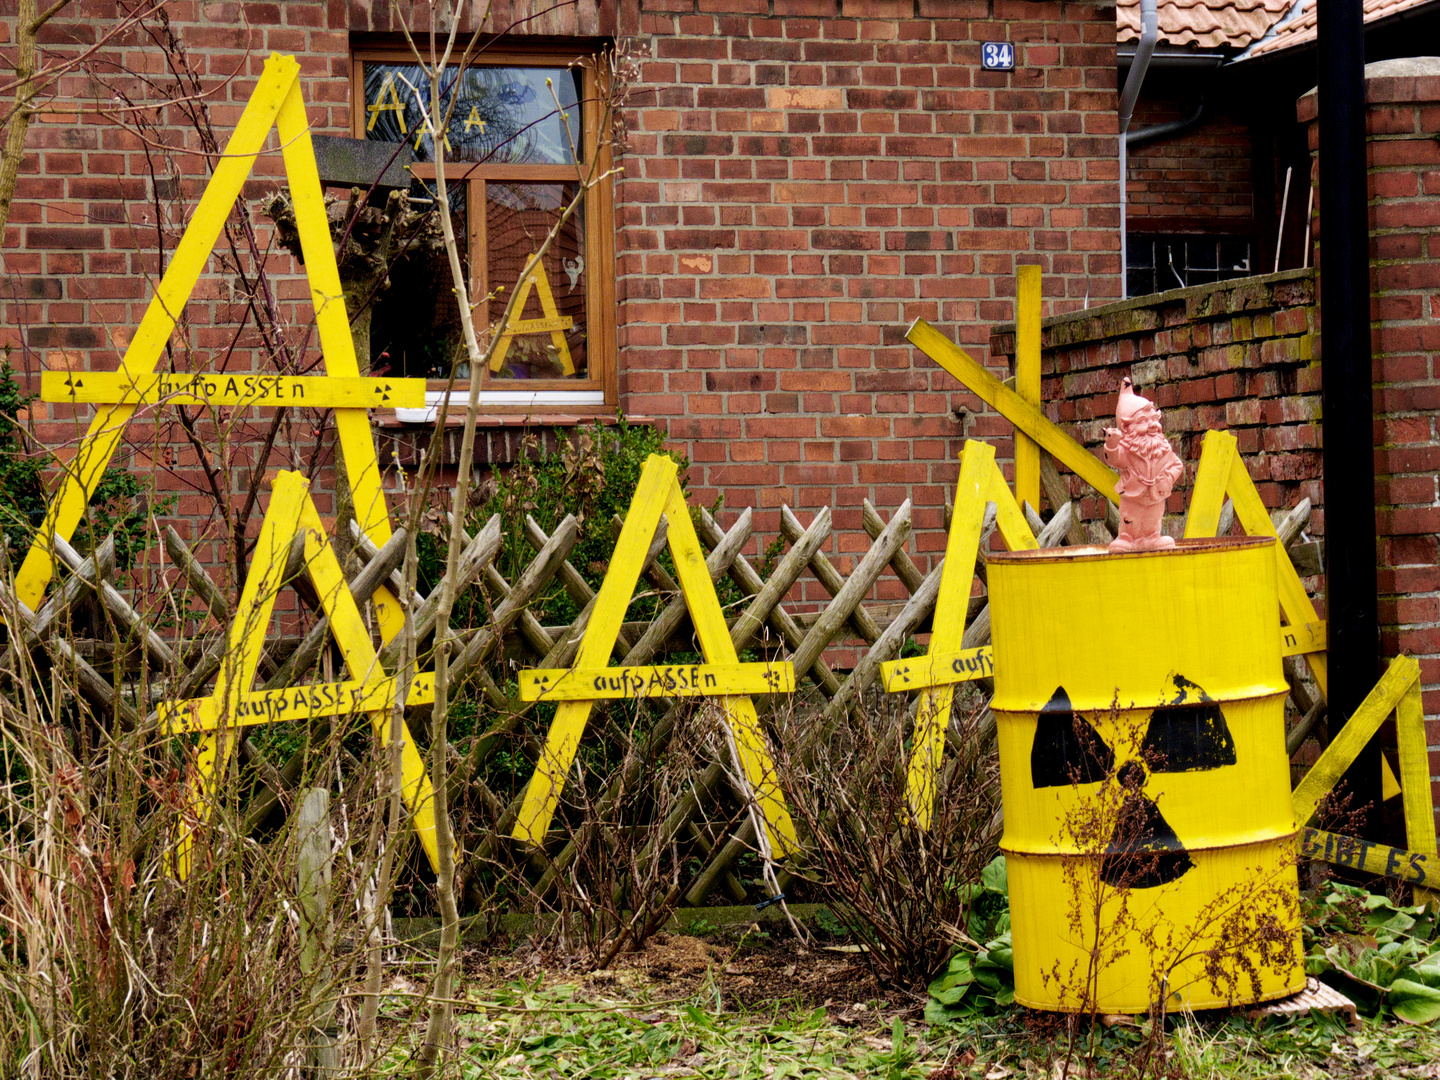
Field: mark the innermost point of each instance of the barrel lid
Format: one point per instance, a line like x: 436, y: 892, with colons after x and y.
x: 1086, y: 552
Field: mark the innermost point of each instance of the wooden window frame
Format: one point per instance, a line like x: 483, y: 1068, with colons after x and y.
x: 555, y: 396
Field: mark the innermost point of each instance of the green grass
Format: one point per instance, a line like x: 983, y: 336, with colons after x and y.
x: 569, y: 1027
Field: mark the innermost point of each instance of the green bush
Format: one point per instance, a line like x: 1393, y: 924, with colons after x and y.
x: 592, y: 473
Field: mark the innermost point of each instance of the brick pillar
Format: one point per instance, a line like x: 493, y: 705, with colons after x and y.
x: 1403, y: 129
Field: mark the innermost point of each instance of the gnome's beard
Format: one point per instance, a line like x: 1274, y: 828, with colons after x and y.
x: 1150, y: 451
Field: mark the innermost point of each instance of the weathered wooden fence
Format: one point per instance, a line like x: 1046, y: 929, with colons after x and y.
x: 766, y: 621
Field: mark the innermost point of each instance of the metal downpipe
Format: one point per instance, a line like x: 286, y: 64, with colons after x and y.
x: 1149, y: 35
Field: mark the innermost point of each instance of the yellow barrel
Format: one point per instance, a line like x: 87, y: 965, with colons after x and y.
x: 1148, y: 830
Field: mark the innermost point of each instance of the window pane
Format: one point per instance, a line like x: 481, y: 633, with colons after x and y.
x: 502, y: 115
x: 415, y: 322
x: 549, y: 335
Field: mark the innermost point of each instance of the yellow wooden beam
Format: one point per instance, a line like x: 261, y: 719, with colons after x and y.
x: 1418, y: 868
x: 1026, y: 418
x: 716, y: 646
x: 289, y: 704
x: 240, y: 389
x: 279, y: 75
x: 1351, y: 739
x: 1222, y: 471
x: 244, y: 641
x: 542, y: 794
x: 1301, y: 638
x: 670, y: 680
x: 1415, y: 776
x: 332, y: 325
x: 352, y: 635
x: 1027, y: 381
x: 938, y: 669
x: 979, y: 483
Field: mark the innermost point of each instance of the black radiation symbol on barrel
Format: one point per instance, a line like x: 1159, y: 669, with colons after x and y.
x: 1187, y: 734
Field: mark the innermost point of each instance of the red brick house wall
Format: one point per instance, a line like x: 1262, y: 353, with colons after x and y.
x: 802, y: 183
x: 798, y: 186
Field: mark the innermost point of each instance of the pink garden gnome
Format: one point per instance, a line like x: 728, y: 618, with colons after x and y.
x: 1148, y: 468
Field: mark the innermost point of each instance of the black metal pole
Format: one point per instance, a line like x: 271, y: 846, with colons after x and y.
x: 1347, y: 425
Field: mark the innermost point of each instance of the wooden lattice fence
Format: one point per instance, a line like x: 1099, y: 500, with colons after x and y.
x: 766, y: 621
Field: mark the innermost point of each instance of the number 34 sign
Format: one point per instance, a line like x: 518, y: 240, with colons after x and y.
x: 997, y: 56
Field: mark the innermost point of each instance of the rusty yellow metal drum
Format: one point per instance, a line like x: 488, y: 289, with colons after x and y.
x: 1149, y: 835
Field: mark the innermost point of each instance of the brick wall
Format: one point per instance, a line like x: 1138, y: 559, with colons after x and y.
x: 799, y: 185
x: 1404, y: 165
x: 1237, y: 355
x: 802, y: 180
x: 1200, y: 181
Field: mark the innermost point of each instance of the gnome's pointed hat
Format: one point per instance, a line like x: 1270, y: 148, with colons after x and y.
x: 1130, y: 403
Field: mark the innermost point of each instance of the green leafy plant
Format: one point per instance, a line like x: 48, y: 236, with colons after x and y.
x: 979, y: 979
x: 1382, y: 954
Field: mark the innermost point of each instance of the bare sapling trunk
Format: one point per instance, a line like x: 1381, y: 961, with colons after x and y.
x: 437, y: 118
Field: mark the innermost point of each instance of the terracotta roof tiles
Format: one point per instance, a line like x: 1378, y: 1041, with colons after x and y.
x: 1209, y: 24
x: 1302, y: 28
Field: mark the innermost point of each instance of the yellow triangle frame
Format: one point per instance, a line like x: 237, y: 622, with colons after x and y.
x: 946, y: 664
x: 721, y: 676
x: 232, y: 705
x: 276, y: 103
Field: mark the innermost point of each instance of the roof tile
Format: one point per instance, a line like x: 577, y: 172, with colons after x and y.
x: 1210, y: 24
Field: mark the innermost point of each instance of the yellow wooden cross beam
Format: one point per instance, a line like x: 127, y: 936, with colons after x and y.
x: 670, y: 680
x: 980, y: 483
x: 1027, y: 418
x: 234, y: 705
x: 241, y: 389
x: 659, y: 492
x: 288, y: 704
x: 1397, y: 692
x: 275, y: 103
x: 1222, y: 472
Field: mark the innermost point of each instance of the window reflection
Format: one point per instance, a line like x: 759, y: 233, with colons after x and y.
x: 500, y: 115
x: 547, y: 339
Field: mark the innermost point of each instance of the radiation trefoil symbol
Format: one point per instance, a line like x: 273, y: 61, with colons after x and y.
x: 1187, y: 733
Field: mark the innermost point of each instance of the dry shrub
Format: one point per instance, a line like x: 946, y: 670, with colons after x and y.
x: 901, y: 890
x: 620, y: 867
x: 111, y: 966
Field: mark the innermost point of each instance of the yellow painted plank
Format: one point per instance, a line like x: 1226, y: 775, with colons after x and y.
x: 1415, y: 771
x: 973, y: 489
x: 279, y: 76
x: 1212, y: 475
x: 287, y: 704
x: 1009, y: 518
x: 1294, y: 600
x: 670, y: 680
x: 1014, y: 408
x: 231, y: 388
x: 1300, y: 638
x: 348, y: 628
x: 717, y: 647
x: 332, y: 324
x: 1027, y: 381
x: 938, y: 669
x: 542, y: 794
x: 1351, y: 739
x: 243, y: 644
x: 1418, y: 868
